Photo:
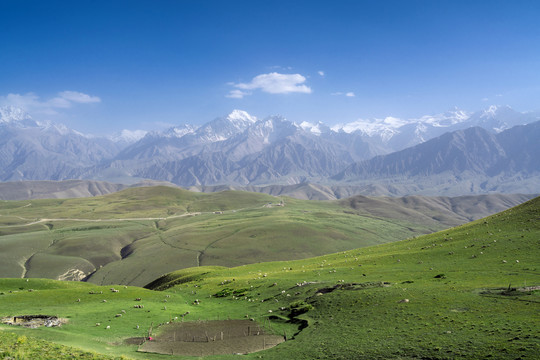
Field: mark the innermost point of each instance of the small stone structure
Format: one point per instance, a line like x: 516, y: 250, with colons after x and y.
x: 34, y: 321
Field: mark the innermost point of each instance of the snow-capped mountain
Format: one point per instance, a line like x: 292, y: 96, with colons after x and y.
x: 30, y: 150
x: 317, y: 129
x: 223, y: 128
x: 469, y: 160
x: 10, y: 115
x: 128, y: 136
x: 397, y: 134
x: 179, y: 131
x: 239, y: 149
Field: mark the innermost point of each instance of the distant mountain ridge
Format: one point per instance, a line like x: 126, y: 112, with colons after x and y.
x: 242, y: 150
x: 474, y: 158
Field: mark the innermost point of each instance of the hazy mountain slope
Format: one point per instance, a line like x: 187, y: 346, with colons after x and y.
x: 450, y: 211
x: 522, y: 148
x: 241, y: 150
x: 473, y: 150
x: 466, y: 161
x: 35, y: 151
x: 47, y: 189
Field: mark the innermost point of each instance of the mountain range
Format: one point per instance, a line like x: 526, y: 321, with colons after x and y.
x: 451, y: 153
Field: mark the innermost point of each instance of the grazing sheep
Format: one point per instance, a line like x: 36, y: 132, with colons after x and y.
x: 108, y: 327
x: 403, y: 301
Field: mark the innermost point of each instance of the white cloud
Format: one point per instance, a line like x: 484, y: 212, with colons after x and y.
x: 237, y: 94
x: 485, y: 99
x: 339, y: 93
x: 272, y: 83
x: 279, y: 67
x: 33, y: 103
x: 21, y: 101
x: 320, y: 72
x: 79, y: 97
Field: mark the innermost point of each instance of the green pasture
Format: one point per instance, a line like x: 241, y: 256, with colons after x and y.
x: 468, y: 292
x: 134, y: 236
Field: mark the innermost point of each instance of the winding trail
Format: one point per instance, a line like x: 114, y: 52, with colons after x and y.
x: 39, y: 221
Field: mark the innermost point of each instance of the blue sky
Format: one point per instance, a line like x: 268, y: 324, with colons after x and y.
x: 103, y: 66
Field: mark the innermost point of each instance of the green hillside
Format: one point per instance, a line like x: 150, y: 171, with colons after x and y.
x: 466, y: 292
x: 136, y: 235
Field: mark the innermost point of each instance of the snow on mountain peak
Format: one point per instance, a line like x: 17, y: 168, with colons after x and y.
x: 386, y: 127
x: 316, y: 129
x: 449, y: 118
x: 241, y: 118
x: 493, y: 110
x: 128, y: 136
x: 13, y: 115
x: 179, y: 131
x: 310, y: 127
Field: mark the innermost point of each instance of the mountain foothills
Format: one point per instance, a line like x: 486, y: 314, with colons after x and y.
x: 470, y: 292
x: 135, y: 235
x: 486, y: 153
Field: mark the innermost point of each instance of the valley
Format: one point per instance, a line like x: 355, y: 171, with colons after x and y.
x: 118, y: 238
x: 466, y: 292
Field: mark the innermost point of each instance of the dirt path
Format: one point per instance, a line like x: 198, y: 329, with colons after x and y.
x: 39, y: 221
x: 98, y: 220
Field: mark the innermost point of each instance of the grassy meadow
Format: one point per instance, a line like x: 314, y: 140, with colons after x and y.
x: 136, y: 235
x: 469, y: 292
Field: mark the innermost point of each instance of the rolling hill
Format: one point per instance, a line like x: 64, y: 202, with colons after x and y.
x: 467, y: 292
x: 135, y: 235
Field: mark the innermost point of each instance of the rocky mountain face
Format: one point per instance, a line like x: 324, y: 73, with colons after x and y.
x: 473, y: 156
x: 241, y: 150
x: 31, y: 150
